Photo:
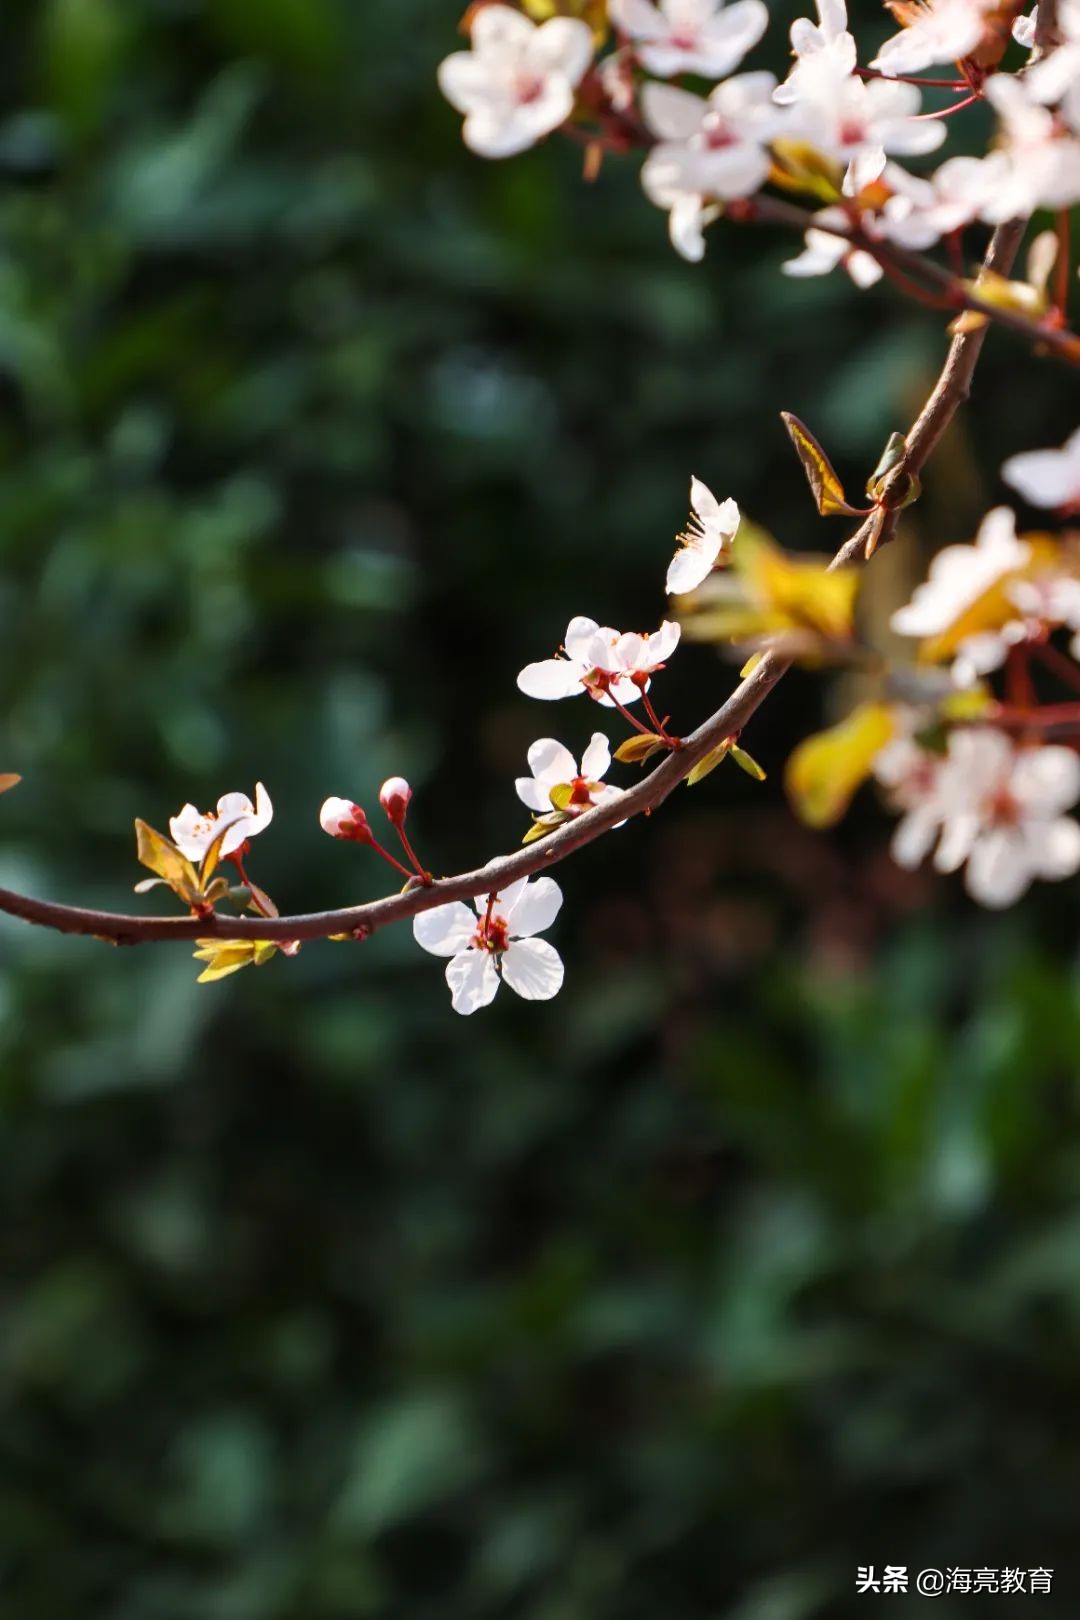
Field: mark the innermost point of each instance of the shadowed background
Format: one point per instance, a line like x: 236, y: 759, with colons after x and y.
x: 753, y: 1257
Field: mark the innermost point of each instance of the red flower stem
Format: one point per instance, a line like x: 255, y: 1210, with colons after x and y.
x: 1063, y: 666
x: 238, y: 861
x: 907, y: 78
x: 672, y: 742
x: 625, y: 712
x: 391, y: 860
x: 1019, y: 687
x: 1049, y: 714
x: 422, y: 874
x: 1061, y: 297
x: 947, y: 112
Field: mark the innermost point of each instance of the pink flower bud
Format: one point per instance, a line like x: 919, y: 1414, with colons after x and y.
x: 394, y: 796
x: 343, y: 819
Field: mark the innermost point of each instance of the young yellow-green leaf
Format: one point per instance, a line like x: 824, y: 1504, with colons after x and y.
x: 746, y: 762
x: 225, y: 956
x: 164, y: 859
x: 807, y: 595
x: 891, y: 457
x: 561, y: 794
x: 706, y: 766
x: 637, y: 749
x: 825, y: 771
x: 8, y: 780
x: 799, y: 166
x: 827, y: 490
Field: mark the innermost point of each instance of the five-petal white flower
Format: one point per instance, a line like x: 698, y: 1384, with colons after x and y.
x: 611, y: 665
x: 1048, y: 477
x: 554, y: 766
x: 858, y: 121
x: 495, y: 941
x: 709, y: 532
x: 517, y: 83
x: 193, y: 831
x: 998, y: 808
x: 707, y: 151
x: 705, y: 37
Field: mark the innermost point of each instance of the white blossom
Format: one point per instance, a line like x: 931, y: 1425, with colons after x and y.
x: 704, y: 37
x: 193, y: 831
x: 709, y: 532
x: 858, y: 122
x: 1043, y: 164
x: 1056, y: 79
x: 1047, y: 477
x: 1000, y: 810
x: 517, y: 83
x: 826, y: 251
x: 602, y: 661
x: 941, y: 31
x: 959, y: 575
x: 825, y: 42
x: 920, y: 212
x: 708, y: 151
x: 495, y: 941
x: 554, y: 766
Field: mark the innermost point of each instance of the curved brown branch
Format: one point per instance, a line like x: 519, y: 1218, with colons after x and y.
x: 949, y: 392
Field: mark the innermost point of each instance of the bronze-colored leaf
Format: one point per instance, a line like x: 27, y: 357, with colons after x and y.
x: 827, y: 490
x: 164, y: 859
x: 637, y: 749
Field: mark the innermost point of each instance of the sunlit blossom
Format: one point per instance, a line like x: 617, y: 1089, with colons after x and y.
x: 709, y: 533
x: 705, y: 37
x: 517, y: 83
x: 553, y: 766
x: 193, y: 831
x: 494, y: 941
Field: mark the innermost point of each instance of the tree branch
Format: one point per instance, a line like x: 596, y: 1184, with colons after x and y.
x: 949, y: 392
x: 774, y: 211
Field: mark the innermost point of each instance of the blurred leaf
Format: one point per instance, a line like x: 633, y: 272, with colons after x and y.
x: 825, y: 770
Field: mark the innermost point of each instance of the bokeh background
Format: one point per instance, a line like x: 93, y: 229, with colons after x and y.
x: 752, y: 1258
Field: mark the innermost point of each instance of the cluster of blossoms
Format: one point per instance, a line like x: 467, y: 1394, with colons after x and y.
x: 831, y: 128
x: 983, y: 776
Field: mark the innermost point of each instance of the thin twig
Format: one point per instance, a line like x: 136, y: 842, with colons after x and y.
x: 949, y: 392
x: 774, y: 211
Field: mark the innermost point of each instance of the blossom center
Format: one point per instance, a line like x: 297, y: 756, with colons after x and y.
x: 718, y: 135
x: 492, y: 934
x: 580, y: 791
x: 1002, y: 809
x: 528, y: 87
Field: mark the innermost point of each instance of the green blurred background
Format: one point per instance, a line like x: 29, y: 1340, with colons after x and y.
x: 752, y: 1258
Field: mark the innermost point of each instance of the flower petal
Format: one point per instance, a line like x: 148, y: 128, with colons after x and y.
x: 445, y: 930
x: 690, y: 566
x: 550, y: 762
x: 473, y: 981
x: 533, y: 969
x: 551, y: 678
x: 533, y: 909
x: 596, y: 759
